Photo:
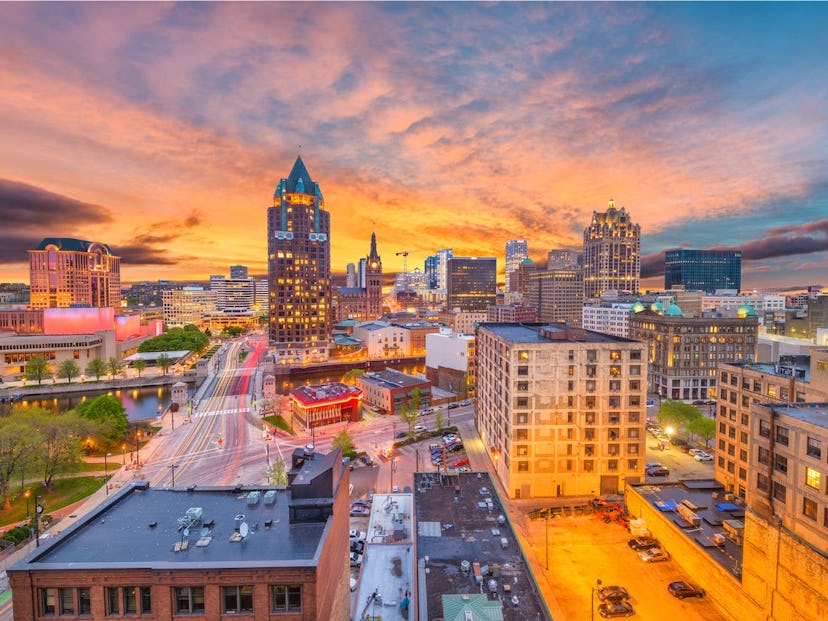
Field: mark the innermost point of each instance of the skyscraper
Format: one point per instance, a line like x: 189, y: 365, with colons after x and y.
x: 71, y: 272
x: 612, y: 253
x: 516, y: 251
x: 299, y: 269
x: 706, y: 270
x: 238, y: 271
x: 471, y: 284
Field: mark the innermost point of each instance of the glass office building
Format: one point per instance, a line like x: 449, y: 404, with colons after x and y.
x: 705, y: 270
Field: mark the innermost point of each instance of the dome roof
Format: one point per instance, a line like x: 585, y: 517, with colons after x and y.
x: 527, y: 261
x: 746, y: 310
x: 637, y: 307
x: 673, y: 311
x: 656, y: 307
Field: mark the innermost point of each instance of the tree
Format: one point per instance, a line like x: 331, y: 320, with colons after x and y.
x: 164, y: 362
x: 109, y: 416
x: 61, y: 442
x: 703, y: 427
x: 277, y: 472
x: 139, y: 365
x: 96, y: 367
x: 18, y: 442
x: 409, y: 416
x: 114, y: 367
x: 677, y: 414
x: 351, y: 375
x: 438, y: 419
x: 188, y: 338
x: 68, y: 369
x: 343, y: 441
x: 37, y: 367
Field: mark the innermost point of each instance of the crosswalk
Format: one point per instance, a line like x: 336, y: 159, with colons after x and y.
x: 224, y: 412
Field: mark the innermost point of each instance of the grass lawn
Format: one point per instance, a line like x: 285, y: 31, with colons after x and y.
x: 278, y: 421
x: 63, y: 492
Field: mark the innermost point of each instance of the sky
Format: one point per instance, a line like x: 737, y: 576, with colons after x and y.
x: 163, y: 129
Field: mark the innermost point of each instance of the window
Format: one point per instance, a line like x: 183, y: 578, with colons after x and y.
x: 522, y: 402
x: 633, y: 432
x: 635, y: 370
x: 188, y: 599
x: 634, y: 400
x: 130, y: 600
x: 113, y: 601
x: 780, y: 492
x: 814, y: 448
x: 146, y: 600
x: 764, y: 429
x: 632, y: 464
x: 523, y: 355
x: 523, y: 386
x: 589, y: 403
x: 615, y: 354
x: 780, y: 463
x: 782, y: 435
x: 615, y: 370
x: 48, y: 602
x: 84, y: 601
x: 521, y: 434
x: 632, y: 449
x: 587, y: 465
x: 237, y: 599
x: 286, y: 598
x: 813, y: 478
x: 762, y: 482
x: 632, y: 417
x: 522, y: 449
x: 523, y: 371
x: 635, y: 354
x: 809, y: 508
x: 612, y: 465
x: 523, y: 466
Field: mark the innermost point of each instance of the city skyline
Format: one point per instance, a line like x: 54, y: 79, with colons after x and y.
x: 163, y: 129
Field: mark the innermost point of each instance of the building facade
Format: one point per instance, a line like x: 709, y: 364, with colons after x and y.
x: 516, y: 251
x: 609, y: 318
x: 561, y: 259
x: 324, y: 404
x: 363, y: 303
x: 684, y: 352
x: 561, y: 410
x: 451, y: 361
x: 238, y: 272
x: 71, y: 272
x: 511, y: 313
x: 392, y: 391
x: 471, y: 283
x: 557, y: 294
x: 299, y: 270
x: 705, y: 270
x: 612, y: 253
x: 383, y: 340
x: 188, y: 305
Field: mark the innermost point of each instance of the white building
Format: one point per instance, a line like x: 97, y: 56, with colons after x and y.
x: 451, y: 361
x: 383, y: 340
x: 187, y: 305
x: 607, y: 318
x: 516, y: 251
x: 728, y: 302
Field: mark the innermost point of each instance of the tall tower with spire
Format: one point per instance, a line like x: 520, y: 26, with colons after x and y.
x: 373, y: 281
x: 299, y: 270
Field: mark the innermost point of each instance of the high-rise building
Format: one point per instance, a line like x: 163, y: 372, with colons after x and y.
x: 560, y: 409
x: 188, y: 305
x: 238, y: 272
x: 350, y: 276
x: 471, y: 283
x: 557, y: 294
x: 431, y: 267
x: 516, y: 251
x: 71, y: 272
x: 443, y: 257
x: 561, y: 259
x: 612, y: 253
x: 705, y: 270
x: 299, y: 269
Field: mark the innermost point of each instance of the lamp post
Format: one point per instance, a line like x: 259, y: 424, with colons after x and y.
x: 592, y: 600
x: 123, y: 450
x: 106, y: 473
x: 38, y: 510
x: 137, y: 448
x: 546, y: 520
x: 393, y: 470
x: 27, y: 493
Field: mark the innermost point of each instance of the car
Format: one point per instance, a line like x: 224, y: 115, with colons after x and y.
x: 682, y: 589
x: 457, y: 446
x: 419, y: 428
x: 356, y: 559
x: 643, y: 543
x: 453, y: 406
x: 357, y: 546
x: 657, y: 472
x: 359, y: 511
x: 395, y: 489
x: 464, y: 469
x: 465, y: 402
x: 353, y: 584
x: 652, y: 464
x: 703, y: 457
x: 357, y: 535
x: 365, y: 502
x: 464, y: 461
x: 617, y: 608
x: 612, y: 593
x: 401, y: 434
x: 695, y: 451
x: 654, y: 555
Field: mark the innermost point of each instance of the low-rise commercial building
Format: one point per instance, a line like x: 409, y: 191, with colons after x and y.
x: 451, y: 361
x: 392, y: 391
x: 325, y: 404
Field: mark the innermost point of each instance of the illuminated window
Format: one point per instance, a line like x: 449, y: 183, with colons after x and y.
x: 523, y: 355
x: 813, y: 478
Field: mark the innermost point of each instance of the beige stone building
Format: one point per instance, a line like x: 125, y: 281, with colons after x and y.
x: 561, y: 409
x: 741, y: 385
x: 188, y: 305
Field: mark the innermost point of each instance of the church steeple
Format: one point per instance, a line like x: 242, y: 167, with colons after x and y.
x: 373, y: 254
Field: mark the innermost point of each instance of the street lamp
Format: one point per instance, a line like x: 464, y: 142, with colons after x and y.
x: 393, y: 470
x: 546, y: 520
x: 106, y: 472
x: 27, y: 493
x: 38, y: 510
x: 123, y: 450
x: 592, y: 600
x: 137, y: 449
x: 172, y: 470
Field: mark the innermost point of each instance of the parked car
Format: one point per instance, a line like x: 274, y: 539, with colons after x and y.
x: 695, y: 451
x: 453, y: 406
x: 465, y: 402
x: 682, y: 589
x: 703, y: 457
x: 461, y: 462
x: 654, y: 555
x: 401, y: 434
x: 366, y: 459
x: 652, y: 464
x: 618, y: 608
x: 457, y: 446
x: 357, y: 546
x: 357, y: 535
x: 657, y: 472
x: 356, y: 559
x: 359, y: 511
x: 643, y: 543
x: 612, y: 593
x: 419, y: 428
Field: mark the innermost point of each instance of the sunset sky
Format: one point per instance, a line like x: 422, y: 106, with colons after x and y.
x: 163, y: 129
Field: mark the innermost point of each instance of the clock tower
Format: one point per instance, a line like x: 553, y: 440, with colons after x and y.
x: 373, y: 282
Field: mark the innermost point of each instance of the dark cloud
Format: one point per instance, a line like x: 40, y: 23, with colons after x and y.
x: 23, y: 205
x: 145, y: 254
x: 652, y: 265
x: 13, y: 248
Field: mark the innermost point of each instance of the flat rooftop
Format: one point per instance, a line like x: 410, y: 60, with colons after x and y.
x: 797, y: 367
x: 814, y: 413
x: 391, y: 519
x: 459, y: 519
x: 542, y: 333
x: 712, y: 506
x: 143, y: 527
x: 391, y: 378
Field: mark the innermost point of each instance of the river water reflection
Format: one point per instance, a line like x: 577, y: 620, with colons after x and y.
x: 139, y: 403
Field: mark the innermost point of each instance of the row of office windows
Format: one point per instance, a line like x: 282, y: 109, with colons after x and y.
x: 137, y: 600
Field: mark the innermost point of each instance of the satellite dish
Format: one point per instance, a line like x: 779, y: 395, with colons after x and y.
x: 205, y: 531
x: 244, y: 529
x: 186, y: 532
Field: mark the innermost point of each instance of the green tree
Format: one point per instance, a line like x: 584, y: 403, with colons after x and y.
x: 411, y: 411
x: 37, y: 367
x: 68, y: 369
x: 704, y: 428
x: 18, y: 443
x: 277, y: 473
x: 139, y: 365
x: 350, y: 376
x: 188, y: 338
x: 61, y: 444
x: 164, y: 362
x: 343, y: 441
x: 438, y: 419
x: 109, y: 416
x: 113, y: 365
x: 96, y: 367
x: 677, y: 414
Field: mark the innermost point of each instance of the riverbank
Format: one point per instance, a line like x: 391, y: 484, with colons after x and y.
x: 50, y: 388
